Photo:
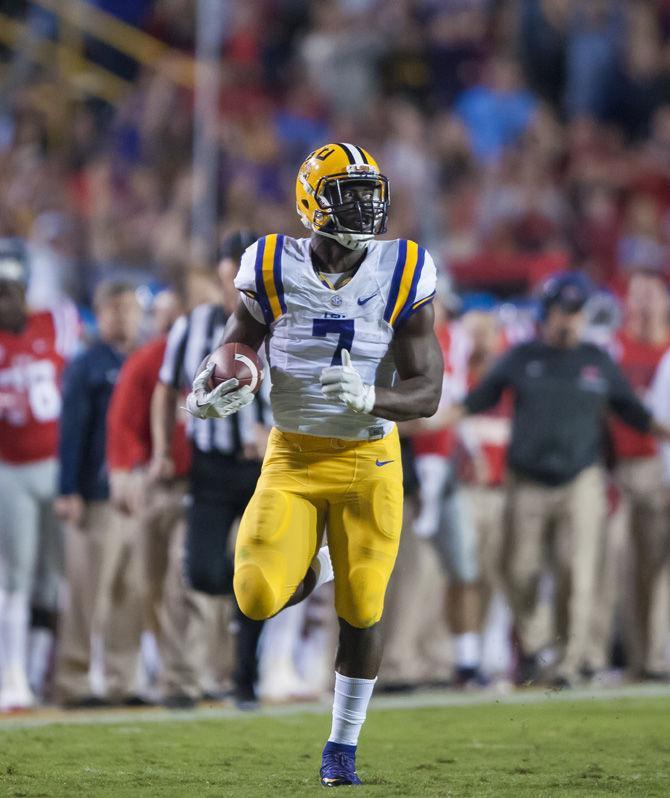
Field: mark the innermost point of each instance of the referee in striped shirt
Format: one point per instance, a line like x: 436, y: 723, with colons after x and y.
x: 227, y: 455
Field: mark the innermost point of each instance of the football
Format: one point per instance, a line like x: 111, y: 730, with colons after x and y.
x: 236, y: 360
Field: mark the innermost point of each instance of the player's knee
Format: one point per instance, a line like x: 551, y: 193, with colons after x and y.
x: 360, y: 614
x: 254, y: 594
x: 363, y: 604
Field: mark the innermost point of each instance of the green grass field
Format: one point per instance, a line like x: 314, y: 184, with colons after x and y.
x: 613, y: 747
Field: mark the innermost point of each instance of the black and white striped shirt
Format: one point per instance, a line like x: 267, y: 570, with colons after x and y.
x: 191, y: 339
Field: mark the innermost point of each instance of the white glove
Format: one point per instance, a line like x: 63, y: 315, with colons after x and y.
x: 345, y: 383
x: 223, y: 401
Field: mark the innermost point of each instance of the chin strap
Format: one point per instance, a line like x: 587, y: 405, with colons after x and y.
x: 354, y: 241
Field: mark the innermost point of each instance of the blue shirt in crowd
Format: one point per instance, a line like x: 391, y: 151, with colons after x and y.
x: 494, y: 119
x: 88, y: 383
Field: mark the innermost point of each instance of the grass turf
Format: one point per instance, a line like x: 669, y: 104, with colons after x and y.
x: 553, y: 749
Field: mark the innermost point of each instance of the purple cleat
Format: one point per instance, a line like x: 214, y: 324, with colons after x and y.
x: 338, y: 765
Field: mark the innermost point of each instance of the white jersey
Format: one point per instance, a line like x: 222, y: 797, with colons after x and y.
x: 310, y: 323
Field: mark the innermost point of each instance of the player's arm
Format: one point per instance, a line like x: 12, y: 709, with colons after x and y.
x: 243, y: 328
x: 163, y: 420
x: 420, y: 366
x: 227, y: 398
x: 484, y: 396
x: 418, y: 360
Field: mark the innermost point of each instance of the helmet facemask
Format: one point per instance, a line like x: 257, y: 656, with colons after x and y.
x: 352, y: 220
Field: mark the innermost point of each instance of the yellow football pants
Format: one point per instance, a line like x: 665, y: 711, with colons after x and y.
x: 352, y: 488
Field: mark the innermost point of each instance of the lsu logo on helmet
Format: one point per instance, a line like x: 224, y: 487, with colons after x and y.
x: 341, y: 193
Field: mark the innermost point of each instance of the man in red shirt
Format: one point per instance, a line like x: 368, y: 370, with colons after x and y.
x: 156, y: 503
x: 446, y: 515
x: 34, y: 348
x: 486, y: 437
x: 641, y: 521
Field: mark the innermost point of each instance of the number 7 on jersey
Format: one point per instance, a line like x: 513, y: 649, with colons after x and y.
x: 344, y: 328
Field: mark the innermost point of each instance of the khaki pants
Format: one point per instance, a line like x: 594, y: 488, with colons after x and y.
x: 176, y: 614
x: 487, y: 505
x: 644, y: 541
x: 416, y: 644
x: 104, y: 575
x: 609, y: 593
x: 565, y: 523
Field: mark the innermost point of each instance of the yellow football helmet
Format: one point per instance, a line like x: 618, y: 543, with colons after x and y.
x: 341, y: 193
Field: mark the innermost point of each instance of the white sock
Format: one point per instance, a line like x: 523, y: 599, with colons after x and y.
x: 3, y: 602
x: 150, y: 658
x: 466, y: 649
x: 496, y: 636
x: 280, y: 638
x: 350, y: 706
x: 39, y: 658
x: 14, y: 635
x: 325, y: 571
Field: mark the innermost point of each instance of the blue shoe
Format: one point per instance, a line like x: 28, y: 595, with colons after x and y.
x: 338, y: 765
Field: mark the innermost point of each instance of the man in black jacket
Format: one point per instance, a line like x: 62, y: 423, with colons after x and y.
x: 562, y: 389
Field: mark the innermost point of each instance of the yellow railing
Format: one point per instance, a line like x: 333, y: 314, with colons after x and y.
x: 84, y: 75
x: 130, y: 41
x: 77, y: 18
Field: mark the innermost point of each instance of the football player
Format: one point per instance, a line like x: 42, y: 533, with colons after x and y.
x: 347, y: 323
x: 34, y: 347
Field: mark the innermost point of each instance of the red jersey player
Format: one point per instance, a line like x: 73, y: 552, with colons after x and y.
x: 33, y: 351
x: 446, y: 515
x: 487, y: 437
x: 642, y: 518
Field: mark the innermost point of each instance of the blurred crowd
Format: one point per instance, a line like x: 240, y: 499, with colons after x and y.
x: 519, y: 137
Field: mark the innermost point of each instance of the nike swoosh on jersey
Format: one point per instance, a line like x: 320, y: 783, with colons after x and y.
x: 383, y: 462
x: 363, y: 300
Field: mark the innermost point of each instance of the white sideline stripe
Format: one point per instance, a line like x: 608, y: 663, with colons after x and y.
x: 422, y: 700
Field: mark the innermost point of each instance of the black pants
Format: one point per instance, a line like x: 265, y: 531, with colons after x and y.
x: 220, y: 489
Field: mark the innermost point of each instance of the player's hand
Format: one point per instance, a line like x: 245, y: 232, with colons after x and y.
x: 70, y: 509
x: 227, y: 398
x: 344, y: 383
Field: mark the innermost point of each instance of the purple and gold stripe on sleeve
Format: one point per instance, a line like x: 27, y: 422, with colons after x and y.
x: 269, y: 283
x: 404, y: 282
x: 422, y: 302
